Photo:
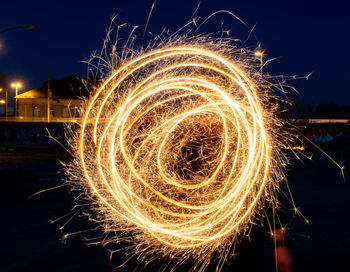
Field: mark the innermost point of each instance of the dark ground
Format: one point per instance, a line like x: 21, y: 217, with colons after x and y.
x: 29, y: 242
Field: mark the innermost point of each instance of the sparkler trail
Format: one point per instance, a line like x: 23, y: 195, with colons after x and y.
x: 176, y: 146
x: 179, y: 148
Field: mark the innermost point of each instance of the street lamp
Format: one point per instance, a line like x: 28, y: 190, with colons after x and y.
x: 16, y: 85
x: 17, y: 27
x: 5, y: 102
x: 261, y: 54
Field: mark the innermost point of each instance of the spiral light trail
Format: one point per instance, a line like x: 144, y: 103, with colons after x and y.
x: 175, y: 144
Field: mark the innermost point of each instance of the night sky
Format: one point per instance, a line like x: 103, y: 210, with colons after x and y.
x: 305, y: 36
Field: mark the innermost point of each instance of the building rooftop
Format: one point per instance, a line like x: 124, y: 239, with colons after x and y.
x: 71, y: 87
x: 35, y: 93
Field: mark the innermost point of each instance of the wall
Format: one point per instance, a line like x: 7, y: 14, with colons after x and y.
x: 32, y: 135
x: 26, y: 108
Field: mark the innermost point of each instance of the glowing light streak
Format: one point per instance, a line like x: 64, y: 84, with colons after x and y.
x: 177, y: 145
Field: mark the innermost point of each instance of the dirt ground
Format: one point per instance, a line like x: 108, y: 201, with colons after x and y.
x: 31, y: 241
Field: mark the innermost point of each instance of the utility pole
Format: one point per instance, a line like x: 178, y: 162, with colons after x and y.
x: 48, y: 98
x: 6, y: 105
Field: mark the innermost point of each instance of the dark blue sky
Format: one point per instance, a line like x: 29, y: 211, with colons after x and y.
x: 308, y: 36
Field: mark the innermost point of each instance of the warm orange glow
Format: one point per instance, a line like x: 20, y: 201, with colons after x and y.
x: 129, y: 151
x: 16, y: 85
x: 2, y: 101
x: 260, y: 53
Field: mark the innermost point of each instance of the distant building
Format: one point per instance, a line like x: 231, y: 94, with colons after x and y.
x: 65, y: 100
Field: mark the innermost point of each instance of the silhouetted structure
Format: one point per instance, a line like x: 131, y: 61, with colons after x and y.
x: 65, y: 99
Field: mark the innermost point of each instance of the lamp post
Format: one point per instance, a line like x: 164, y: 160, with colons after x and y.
x: 2, y: 101
x: 17, y: 86
x: 261, y: 54
x: 5, y: 103
x: 17, y: 27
